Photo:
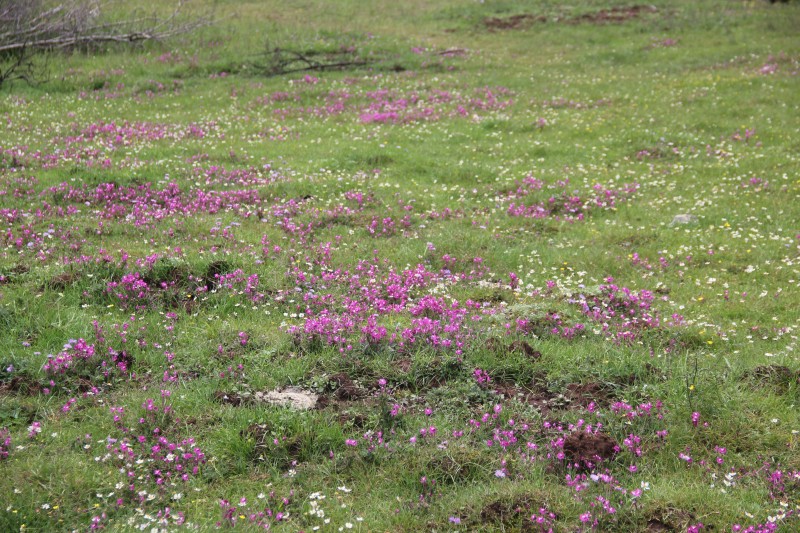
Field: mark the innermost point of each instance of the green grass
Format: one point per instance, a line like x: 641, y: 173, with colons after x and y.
x: 693, y: 102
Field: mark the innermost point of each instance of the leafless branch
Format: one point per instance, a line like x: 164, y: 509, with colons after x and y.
x: 282, y: 61
x: 29, y: 25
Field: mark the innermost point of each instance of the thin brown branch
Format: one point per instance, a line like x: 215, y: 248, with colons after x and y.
x: 77, y: 23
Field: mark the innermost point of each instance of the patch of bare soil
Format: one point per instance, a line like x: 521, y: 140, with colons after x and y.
x: 62, y: 281
x: 526, y: 349
x: 574, y: 395
x: 668, y: 519
x: 777, y: 376
x: 346, y: 390
x: 588, y: 449
x: 21, y: 385
x: 356, y: 420
x: 614, y: 15
x: 655, y: 525
x: 515, y: 512
x: 13, y: 273
x: 582, y: 394
x: 536, y: 395
x: 514, y: 22
x: 231, y: 398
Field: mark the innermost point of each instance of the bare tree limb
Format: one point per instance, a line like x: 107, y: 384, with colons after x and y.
x: 30, y: 26
x: 282, y: 61
x: 76, y: 23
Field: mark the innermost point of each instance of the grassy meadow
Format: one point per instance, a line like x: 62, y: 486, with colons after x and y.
x: 537, y: 264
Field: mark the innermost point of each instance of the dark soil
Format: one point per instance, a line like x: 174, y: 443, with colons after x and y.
x: 62, y: 281
x: 525, y: 348
x: 358, y: 420
x: 537, y: 395
x: 574, y: 395
x: 21, y: 385
x: 124, y: 358
x: 655, y: 526
x: 230, y: 398
x: 13, y: 273
x: 582, y: 394
x: 323, y: 401
x: 669, y: 519
x: 212, y: 273
x: 514, y: 22
x: 512, y: 513
x: 588, y: 449
x: 20, y: 269
x: 777, y: 376
x: 345, y: 390
x: 614, y: 15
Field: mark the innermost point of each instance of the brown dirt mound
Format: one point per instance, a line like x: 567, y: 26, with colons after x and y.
x: 230, y: 398
x: 346, y: 390
x: 656, y: 526
x: 582, y: 394
x: 62, y: 281
x: 525, y: 348
x: 615, y: 15
x: 356, y: 420
x: 575, y: 396
x: 669, y: 519
x: 772, y: 372
x: 778, y: 376
x: 514, y: 22
x: 588, y: 449
x: 515, y: 512
x: 22, y: 385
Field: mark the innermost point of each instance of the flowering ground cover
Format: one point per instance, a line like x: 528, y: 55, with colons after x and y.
x: 533, y: 266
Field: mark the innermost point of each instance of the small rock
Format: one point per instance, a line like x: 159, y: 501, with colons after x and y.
x: 683, y: 219
x: 292, y: 397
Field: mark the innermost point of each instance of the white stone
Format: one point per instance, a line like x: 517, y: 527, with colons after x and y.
x: 292, y: 397
x: 683, y: 219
